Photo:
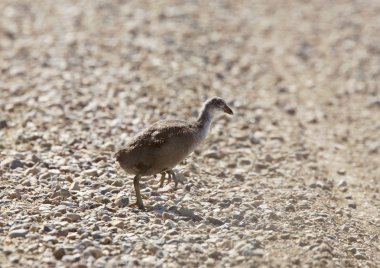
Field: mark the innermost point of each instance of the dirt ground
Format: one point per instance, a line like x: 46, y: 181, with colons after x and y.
x: 292, y: 179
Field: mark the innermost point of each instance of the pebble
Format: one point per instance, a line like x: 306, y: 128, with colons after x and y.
x: 239, y: 177
x: 290, y: 208
x: 32, y: 171
x: 215, y: 221
x: 16, y: 163
x: 18, y: 233
x: 95, y: 252
x: 106, y: 218
x: 3, y: 123
x: 186, y: 212
x: 59, y: 253
x: 74, y: 186
x: 35, y: 158
x: 118, y: 224
x: 216, y: 255
x: 73, y: 217
x: 171, y: 224
x: 71, y: 258
x: 342, y: 183
x: 122, y: 201
x: 360, y: 256
x: 91, y: 172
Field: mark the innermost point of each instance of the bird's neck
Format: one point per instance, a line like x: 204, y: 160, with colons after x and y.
x: 205, y: 118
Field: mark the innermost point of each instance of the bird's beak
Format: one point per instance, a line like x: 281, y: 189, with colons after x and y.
x: 228, y: 110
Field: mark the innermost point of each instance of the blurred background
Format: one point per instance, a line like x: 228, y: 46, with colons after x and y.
x: 79, y: 78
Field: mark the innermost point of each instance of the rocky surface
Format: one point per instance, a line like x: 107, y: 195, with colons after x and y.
x: 292, y: 179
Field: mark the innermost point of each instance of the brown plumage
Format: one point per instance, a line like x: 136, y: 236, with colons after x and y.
x: 160, y: 147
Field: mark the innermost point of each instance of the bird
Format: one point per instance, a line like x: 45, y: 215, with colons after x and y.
x: 164, y: 144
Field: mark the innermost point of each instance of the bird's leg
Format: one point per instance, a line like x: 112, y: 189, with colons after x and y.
x: 162, y: 179
x: 169, y: 177
x: 136, y: 183
x: 174, y: 176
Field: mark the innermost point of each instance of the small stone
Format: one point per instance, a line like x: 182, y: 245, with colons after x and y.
x: 3, y: 123
x: 97, y: 235
x: 351, y: 239
x: 59, y: 253
x: 239, y: 177
x: 269, y: 158
x: 36, y: 159
x: 71, y: 258
x: 245, y: 162
x: 291, y: 110
x: 213, y: 154
x: 254, y: 139
x: 216, y: 255
x: 50, y: 238
x: 171, y: 224
x: 290, y: 208
x: 106, y: 241
x: 73, y: 217
x: 18, y: 233
x: 15, y: 194
x: 285, y: 236
x: 118, y: 224
x: 342, y: 183
x: 186, y: 212
x: 95, y: 252
x: 117, y: 183
x: 258, y: 253
x: 74, y: 186
x: 16, y: 164
x: 122, y: 201
x: 215, y: 221
x: 91, y: 172
x: 32, y: 171
x: 352, y: 205
x: 106, y: 218
x: 167, y: 216
x: 360, y: 256
x: 341, y: 172
x: 237, y: 200
x: 104, y: 190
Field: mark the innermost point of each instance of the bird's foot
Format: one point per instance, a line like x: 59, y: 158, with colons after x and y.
x: 141, y: 206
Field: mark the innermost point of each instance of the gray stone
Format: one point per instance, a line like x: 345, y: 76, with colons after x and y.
x: 171, y: 224
x: 3, y: 123
x: 73, y: 217
x: 360, y: 256
x: 16, y: 163
x: 95, y: 252
x: 74, y: 186
x: 215, y: 221
x: 91, y: 172
x: 71, y: 258
x: 18, y: 233
x: 122, y: 201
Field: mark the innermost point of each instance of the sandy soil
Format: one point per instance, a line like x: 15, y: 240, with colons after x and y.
x: 291, y: 180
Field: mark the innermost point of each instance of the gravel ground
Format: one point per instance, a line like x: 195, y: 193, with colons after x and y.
x: 291, y: 180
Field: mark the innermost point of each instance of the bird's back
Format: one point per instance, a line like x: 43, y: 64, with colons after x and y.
x: 159, y: 147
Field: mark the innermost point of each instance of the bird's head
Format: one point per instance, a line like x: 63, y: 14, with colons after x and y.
x: 218, y: 104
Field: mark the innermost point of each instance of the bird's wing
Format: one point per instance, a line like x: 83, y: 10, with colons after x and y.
x: 159, y: 133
